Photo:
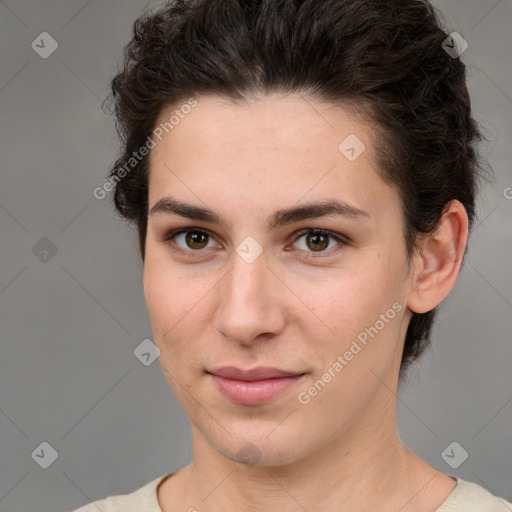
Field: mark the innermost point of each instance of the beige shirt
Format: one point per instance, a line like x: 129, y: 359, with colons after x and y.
x: 466, y: 497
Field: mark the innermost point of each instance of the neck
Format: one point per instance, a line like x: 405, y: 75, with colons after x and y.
x: 364, y: 468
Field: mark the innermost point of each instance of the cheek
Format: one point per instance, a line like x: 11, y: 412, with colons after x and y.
x: 348, y: 300
x: 362, y: 307
x: 166, y: 303
x: 158, y: 293
x: 172, y: 316
x: 178, y: 313
x: 168, y: 295
x: 364, y: 346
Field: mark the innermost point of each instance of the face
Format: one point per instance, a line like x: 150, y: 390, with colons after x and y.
x: 248, y: 288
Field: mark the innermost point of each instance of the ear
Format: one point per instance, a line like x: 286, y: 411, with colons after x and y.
x: 438, y: 262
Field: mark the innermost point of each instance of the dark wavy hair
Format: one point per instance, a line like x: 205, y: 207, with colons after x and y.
x: 384, y: 58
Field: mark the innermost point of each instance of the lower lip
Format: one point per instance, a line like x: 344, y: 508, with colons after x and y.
x: 254, y: 392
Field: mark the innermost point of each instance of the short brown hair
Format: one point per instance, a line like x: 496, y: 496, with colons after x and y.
x: 385, y: 56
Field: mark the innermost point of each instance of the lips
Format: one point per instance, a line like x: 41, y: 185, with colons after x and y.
x: 253, y: 387
x: 261, y: 373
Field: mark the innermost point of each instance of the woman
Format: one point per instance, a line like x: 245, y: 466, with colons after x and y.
x: 302, y: 176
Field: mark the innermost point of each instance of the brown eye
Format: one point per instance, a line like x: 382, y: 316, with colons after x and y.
x: 196, y: 239
x: 317, y: 241
x: 189, y: 242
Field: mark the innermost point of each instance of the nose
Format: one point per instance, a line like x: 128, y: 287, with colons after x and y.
x: 252, y: 303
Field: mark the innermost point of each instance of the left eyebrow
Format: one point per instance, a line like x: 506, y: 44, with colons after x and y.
x: 313, y: 210
x: 331, y: 208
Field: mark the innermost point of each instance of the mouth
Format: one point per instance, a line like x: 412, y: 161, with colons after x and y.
x: 255, y: 386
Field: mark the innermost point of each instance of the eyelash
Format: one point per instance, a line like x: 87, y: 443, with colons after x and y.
x: 342, y: 241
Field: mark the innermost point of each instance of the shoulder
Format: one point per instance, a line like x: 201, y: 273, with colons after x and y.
x: 144, y: 498
x: 471, y: 497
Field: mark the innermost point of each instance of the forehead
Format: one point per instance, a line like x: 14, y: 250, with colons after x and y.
x: 276, y: 148
x: 273, y: 123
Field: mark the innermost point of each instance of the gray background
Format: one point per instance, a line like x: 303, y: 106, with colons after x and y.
x: 68, y: 375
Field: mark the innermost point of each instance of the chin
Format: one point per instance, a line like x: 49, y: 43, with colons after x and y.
x: 259, y: 452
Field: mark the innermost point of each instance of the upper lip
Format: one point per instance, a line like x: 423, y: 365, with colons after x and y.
x: 260, y: 373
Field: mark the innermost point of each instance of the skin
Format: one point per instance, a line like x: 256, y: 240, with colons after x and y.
x: 341, y: 451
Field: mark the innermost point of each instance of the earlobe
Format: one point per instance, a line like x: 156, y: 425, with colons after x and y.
x: 438, y: 262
